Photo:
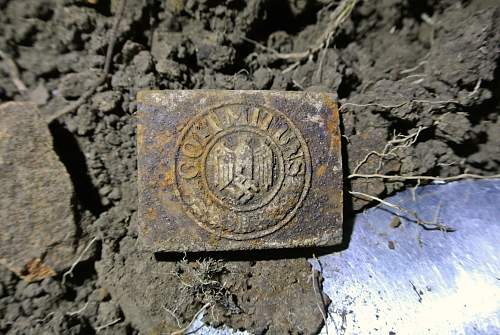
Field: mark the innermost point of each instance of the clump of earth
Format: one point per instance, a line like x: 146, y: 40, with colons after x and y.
x: 425, y: 70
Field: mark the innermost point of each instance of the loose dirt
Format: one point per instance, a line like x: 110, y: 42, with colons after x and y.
x: 398, y: 66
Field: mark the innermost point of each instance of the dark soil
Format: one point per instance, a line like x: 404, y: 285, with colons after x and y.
x: 389, y: 52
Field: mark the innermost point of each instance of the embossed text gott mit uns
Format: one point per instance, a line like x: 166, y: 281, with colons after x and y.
x: 242, y: 171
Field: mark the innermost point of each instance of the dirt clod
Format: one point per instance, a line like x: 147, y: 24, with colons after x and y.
x: 36, y: 209
x: 397, y: 66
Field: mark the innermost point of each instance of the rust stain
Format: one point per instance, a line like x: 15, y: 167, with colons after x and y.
x: 207, y: 170
x: 320, y: 170
x: 332, y: 124
x: 36, y: 270
x: 162, y: 139
x: 168, y: 179
x: 336, y: 200
x: 151, y: 214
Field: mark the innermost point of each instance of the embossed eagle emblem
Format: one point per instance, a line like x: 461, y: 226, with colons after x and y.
x: 244, y: 171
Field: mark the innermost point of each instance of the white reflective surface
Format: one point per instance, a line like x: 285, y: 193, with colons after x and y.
x: 431, y: 282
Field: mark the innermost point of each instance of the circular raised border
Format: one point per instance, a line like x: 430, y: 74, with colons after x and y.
x: 276, y: 149
x: 264, y: 232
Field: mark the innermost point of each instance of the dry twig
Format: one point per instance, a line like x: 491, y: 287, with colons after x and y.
x: 427, y: 225
x: 13, y: 72
x: 107, y: 67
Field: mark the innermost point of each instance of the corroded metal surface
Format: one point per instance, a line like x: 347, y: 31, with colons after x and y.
x: 230, y: 170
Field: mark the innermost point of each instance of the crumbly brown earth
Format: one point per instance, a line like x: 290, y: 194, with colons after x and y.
x: 399, y: 67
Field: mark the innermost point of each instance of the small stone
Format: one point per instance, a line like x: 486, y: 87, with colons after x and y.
x: 12, y: 312
x: 106, y: 101
x: 175, y: 6
x: 36, y: 210
x: 27, y: 306
x: 43, y: 303
x: 395, y: 222
x: 105, y: 190
x: 103, y: 294
x: 112, y: 138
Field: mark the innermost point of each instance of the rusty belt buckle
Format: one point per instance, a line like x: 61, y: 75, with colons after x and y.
x: 238, y: 170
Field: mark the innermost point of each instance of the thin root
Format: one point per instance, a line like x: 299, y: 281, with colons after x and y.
x: 338, y: 17
x: 109, y: 324
x: 175, y: 317
x: 78, y: 311
x: 427, y: 225
x: 70, y: 271
x: 409, y: 102
x: 396, y: 143
x: 434, y: 178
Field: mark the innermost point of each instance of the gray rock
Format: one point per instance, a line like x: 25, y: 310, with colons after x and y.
x: 36, y: 211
